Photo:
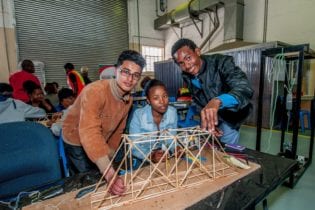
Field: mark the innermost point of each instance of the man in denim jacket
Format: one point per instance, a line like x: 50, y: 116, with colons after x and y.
x: 157, y: 115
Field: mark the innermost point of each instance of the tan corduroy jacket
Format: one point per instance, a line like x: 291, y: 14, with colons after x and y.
x: 96, y: 121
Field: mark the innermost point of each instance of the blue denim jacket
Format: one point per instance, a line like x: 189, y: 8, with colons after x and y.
x: 142, y: 122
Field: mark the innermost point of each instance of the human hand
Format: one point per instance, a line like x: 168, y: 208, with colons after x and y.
x: 46, y: 104
x: 217, y: 132
x: 157, y: 155
x: 179, y: 152
x: 56, y: 116
x: 53, y: 119
x: 117, y: 186
x: 209, y: 115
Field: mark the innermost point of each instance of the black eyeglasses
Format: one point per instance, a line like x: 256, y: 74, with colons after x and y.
x: 126, y: 73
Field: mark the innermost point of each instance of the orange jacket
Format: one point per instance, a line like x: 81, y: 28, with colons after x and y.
x: 77, y: 88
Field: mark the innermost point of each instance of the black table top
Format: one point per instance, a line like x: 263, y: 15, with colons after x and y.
x: 252, y: 189
x: 242, y: 194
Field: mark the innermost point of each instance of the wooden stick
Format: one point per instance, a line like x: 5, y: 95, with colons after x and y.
x: 146, y: 186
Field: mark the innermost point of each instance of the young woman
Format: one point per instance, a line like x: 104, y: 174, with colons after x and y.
x: 36, y: 97
x: 157, y: 115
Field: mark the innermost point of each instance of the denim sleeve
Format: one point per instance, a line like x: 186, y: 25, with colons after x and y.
x: 228, y: 101
x: 135, y: 127
x: 173, y: 125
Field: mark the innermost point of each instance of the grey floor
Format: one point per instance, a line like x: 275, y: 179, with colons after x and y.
x: 302, y: 196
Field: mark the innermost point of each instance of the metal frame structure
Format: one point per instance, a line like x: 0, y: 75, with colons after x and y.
x: 297, y: 52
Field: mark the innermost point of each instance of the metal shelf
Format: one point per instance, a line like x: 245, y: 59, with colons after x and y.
x: 296, y: 52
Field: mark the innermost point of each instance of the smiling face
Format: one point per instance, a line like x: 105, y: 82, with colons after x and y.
x: 127, y: 76
x: 158, y: 98
x: 37, y: 95
x: 188, y: 60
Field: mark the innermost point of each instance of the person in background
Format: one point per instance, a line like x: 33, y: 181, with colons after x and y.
x: 157, y: 115
x: 51, y: 93
x: 66, y: 99
x: 56, y: 85
x: 17, y: 79
x: 74, y: 79
x: 85, y: 74
x: 12, y: 110
x: 107, y: 72
x: 36, y: 97
x: 93, y: 126
x: 219, y: 88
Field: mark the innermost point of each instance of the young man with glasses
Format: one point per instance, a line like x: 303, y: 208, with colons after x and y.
x: 94, y: 124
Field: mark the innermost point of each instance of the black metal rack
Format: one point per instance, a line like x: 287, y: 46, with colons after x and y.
x: 297, y: 52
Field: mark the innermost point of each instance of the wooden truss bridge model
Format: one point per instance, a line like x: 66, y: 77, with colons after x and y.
x: 197, y: 161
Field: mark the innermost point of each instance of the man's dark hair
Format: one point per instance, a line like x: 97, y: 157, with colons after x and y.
x: 144, y: 81
x: 26, y: 63
x: 65, y: 93
x: 6, y: 89
x: 153, y: 83
x: 133, y: 56
x: 50, y: 88
x: 56, y: 84
x: 68, y: 66
x: 29, y: 86
x: 181, y: 43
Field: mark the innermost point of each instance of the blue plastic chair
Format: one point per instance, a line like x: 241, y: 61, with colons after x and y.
x: 172, y: 99
x: 63, y: 157
x: 29, y: 158
x: 308, y: 117
x: 189, y: 120
x: 303, y: 113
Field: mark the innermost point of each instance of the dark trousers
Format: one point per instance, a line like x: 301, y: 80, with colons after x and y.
x: 79, y: 162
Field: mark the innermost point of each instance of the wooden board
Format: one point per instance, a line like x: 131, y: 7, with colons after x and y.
x: 174, y: 200
x: 197, y: 170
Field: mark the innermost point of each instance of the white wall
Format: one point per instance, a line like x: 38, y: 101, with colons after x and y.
x: 254, y: 20
x: 292, y: 21
x: 288, y: 21
x: 8, y: 48
x: 146, y: 35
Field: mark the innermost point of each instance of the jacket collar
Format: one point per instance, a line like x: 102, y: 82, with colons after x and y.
x: 203, y: 66
x: 114, y: 88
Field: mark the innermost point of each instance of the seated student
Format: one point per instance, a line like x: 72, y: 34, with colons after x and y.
x: 36, y: 97
x: 12, y: 110
x: 51, y: 93
x: 66, y: 98
x: 56, y: 85
x: 155, y: 116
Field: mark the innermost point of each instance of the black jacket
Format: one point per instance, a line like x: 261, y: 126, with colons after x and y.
x: 219, y: 75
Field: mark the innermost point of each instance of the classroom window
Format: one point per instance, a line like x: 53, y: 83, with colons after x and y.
x: 151, y: 55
